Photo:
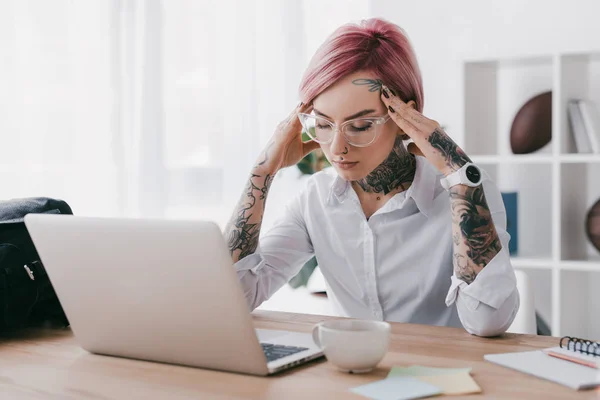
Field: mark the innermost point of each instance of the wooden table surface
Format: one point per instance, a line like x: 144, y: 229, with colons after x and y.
x: 48, y: 364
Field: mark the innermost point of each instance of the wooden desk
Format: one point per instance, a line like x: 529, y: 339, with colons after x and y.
x: 47, y: 364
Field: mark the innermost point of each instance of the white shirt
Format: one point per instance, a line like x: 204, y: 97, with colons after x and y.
x: 395, y: 266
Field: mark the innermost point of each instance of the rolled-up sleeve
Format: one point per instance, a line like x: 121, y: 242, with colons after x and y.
x: 488, y: 305
x: 281, y: 253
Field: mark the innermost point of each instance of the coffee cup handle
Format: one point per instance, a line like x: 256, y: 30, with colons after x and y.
x: 315, y: 335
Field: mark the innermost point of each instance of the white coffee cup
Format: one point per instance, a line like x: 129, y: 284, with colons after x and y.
x: 355, y: 346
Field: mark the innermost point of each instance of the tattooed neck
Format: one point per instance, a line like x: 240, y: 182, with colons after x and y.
x: 397, y: 171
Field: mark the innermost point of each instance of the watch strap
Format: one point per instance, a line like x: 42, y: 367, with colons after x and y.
x: 451, y: 180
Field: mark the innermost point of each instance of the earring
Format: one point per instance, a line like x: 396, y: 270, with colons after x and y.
x: 345, y: 150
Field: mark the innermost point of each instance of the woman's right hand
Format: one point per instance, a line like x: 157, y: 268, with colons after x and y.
x: 286, y: 147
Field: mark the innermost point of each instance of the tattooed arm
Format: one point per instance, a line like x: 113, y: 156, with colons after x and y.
x: 483, y: 285
x: 474, y: 235
x: 477, y: 245
x: 284, y: 149
x: 486, y: 306
x: 476, y: 241
x: 243, y: 228
x: 264, y: 266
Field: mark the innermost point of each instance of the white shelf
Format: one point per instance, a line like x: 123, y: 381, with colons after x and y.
x: 512, y: 159
x: 579, y: 158
x: 534, y: 263
x: 580, y: 266
x: 548, y: 264
x: 555, y: 185
x: 535, y: 159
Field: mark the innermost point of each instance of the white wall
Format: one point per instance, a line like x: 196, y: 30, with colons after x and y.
x: 444, y: 33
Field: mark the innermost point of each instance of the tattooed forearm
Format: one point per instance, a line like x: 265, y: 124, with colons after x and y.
x: 397, y: 171
x: 462, y: 268
x: 266, y: 153
x: 475, y: 238
x: 456, y: 238
x: 265, y: 190
x: 374, y: 85
x: 243, y: 229
x: 455, y: 157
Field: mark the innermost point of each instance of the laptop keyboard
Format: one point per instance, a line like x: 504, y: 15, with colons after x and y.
x: 277, y: 351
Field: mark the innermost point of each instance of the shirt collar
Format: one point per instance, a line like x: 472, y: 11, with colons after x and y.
x: 338, y: 190
x: 422, y: 189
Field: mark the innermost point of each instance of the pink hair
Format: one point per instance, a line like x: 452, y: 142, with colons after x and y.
x: 374, y: 45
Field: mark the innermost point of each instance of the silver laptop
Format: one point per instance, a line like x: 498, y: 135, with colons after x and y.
x: 158, y: 290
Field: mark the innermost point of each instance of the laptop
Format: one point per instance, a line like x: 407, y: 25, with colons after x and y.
x: 159, y: 290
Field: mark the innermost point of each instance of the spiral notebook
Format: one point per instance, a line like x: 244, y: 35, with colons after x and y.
x: 542, y: 365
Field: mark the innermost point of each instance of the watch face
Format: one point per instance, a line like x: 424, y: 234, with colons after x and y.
x: 473, y: 174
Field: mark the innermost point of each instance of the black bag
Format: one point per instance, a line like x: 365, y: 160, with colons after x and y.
x: 26, y: 294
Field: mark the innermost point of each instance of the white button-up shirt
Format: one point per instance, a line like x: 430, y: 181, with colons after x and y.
x: 395, y: 266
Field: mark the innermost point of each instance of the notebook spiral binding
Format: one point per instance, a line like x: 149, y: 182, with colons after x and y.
x: 580, y: 345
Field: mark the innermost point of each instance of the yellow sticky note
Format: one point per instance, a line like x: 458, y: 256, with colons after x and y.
x: 459, y: 383
x: 418, y: 370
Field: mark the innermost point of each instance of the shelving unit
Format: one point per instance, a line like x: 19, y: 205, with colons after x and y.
x: 555, y: 185
x: 536, y: 159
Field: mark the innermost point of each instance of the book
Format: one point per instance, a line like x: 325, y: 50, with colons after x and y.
x: 582, y: 142
x: 510, y: 200
x: 591, y: 123
x: 539, y: 363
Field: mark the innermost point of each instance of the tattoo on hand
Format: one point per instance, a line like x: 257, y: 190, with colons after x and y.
x: 477, y: 243
x: 397, y: 171
x: 454, y: 155
x: 241, y: 233
x: 375, y: 85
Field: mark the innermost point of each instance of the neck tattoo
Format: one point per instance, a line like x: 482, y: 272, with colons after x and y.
x: 396, y: 172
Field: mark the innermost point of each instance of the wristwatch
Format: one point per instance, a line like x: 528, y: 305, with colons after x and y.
x: 469, y: 174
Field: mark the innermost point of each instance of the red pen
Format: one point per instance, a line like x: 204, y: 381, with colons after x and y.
x: 574, y: 359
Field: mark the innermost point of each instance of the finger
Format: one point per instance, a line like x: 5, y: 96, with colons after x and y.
x: 417, y: 119
x: 290, y: 120
x: 414, y: 149
x: 301, y: 108
x: 310, y: 146
x: 399, y: 106
x: 406, y: 126
x: 293, y: 114
x: 305, y: 108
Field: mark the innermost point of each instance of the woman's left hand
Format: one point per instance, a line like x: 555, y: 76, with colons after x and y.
x: 429, y: 138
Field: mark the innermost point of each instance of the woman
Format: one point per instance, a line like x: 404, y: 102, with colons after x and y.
x: 409, y: 234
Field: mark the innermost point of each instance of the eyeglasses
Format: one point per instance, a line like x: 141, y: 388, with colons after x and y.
x: 359, y: 132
